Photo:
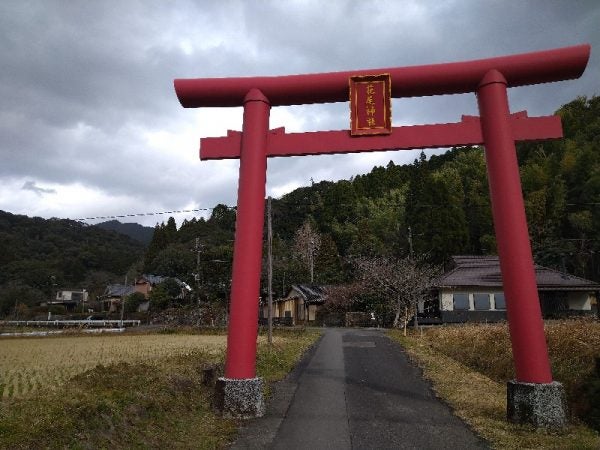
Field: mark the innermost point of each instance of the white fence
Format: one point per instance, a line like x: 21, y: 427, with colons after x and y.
x: 72, y: 323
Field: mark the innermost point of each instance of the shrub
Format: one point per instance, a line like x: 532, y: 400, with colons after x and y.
x: 133, y: 301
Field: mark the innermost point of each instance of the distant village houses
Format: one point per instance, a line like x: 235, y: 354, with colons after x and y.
x: 71, y: 299
x: 115, y: 293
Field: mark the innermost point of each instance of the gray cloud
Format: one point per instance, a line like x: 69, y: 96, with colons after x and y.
x: 31, y: 186
x: 88, y: 102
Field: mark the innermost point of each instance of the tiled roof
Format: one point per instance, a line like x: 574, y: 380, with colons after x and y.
x: 118, y: 290
x: 311, y: 292
x: 152, y: 279
x: 485, y: 271
x: 157, y: 279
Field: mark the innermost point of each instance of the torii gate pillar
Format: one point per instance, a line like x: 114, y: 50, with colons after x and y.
x: 239, y: 393
x: 538, y: 400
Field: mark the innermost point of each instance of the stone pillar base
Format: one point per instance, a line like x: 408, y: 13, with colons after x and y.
x: 240, y: 399
x: 538, y: 404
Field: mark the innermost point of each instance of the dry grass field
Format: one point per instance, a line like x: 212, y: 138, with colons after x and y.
x: 573, y: 346
x: 125, y: 391
x: 31, y: 364
x: 470, y: 364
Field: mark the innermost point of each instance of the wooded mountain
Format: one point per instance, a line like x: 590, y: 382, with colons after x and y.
x: 38, y: 255
x: 437, y: 206
x: 135, y: 231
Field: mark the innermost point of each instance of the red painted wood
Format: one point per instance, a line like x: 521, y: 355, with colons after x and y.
x: 466, y: 132
x: 247, y: 252
x: 434, y: 79
x: 516, y: 262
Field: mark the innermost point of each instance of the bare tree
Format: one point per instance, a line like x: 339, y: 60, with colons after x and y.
x: 307, y: 242
x: 341, y: 297
x: 403, y: 281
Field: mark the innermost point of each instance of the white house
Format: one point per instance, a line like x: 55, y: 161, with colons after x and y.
x: 70, y: 298
x: 472, y: 292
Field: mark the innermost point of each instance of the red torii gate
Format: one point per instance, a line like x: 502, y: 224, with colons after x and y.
x: 496, y: 129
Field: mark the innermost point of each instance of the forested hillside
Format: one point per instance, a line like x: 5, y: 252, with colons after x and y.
x: 39, y: 255
x: 436, y: 207
x: 135, y: 231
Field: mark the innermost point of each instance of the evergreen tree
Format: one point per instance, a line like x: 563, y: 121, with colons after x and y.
x: 159, y: 242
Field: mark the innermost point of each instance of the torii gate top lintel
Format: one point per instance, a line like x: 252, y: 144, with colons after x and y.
x: 414, y: 81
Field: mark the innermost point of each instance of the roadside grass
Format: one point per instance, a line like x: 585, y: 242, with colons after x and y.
x: 275, y: 361
x: 469, y: 365
x: 158, y: 403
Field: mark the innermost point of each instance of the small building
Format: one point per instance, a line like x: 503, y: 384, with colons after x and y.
x: 299, y: 306
x: 113, y: 296
x: 472, y: 292
x: 147, y: 282
x: 70, y: 298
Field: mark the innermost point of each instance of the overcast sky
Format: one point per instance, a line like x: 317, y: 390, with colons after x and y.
x: 90, y: 124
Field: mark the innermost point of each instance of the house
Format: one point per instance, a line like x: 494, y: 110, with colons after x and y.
x: 300, y: 305
x: 472, y: 292
x: 113, y: 296
x: 70, y: 298
x: 147, y: 282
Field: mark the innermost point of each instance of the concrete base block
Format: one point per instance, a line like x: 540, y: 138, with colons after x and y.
x: 538, y: 404
x: 240, y: 399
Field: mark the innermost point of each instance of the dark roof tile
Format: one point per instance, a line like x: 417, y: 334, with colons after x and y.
x: 484, y: 271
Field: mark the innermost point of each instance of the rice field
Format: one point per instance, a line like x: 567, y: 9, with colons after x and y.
x: 28, y: 365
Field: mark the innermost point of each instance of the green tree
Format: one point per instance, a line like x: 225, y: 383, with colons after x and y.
x: 159, y: 242
x: 328, y: 264
x: 170, y: 230
x: 173, y: 261
x: 164, y: 295
x: 13, y: 294
x: 223, y: 217
x: 133, y: 301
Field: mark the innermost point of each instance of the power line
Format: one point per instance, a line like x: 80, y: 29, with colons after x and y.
x: 355, y: 205
x: 154, y: 213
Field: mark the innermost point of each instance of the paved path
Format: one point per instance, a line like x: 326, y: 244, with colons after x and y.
x: 356, y: 390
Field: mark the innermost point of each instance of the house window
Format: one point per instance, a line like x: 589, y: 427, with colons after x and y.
x: 481, y: 302
x: 500, y: 301
x: 288, y: 314
x: 461, y: 301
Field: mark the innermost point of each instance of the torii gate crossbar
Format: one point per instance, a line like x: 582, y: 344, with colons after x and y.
x: 496, y: 129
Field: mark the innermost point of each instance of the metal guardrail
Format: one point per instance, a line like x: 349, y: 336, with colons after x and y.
x: 71, y: 323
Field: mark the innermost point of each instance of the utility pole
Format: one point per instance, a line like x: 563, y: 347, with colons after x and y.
x: 123, y: 302
x: 198, y: 275
x: 410, y: 244
x: 270, y: 271
x: 311, y: 249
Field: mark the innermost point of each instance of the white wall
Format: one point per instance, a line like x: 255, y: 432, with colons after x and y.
x: 580, y: 301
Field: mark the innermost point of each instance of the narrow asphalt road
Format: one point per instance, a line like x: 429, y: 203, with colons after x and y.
x: 356, y: 390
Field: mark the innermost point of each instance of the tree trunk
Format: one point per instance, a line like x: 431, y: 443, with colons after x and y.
x: 397, y: 318
x: 416, y: 322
